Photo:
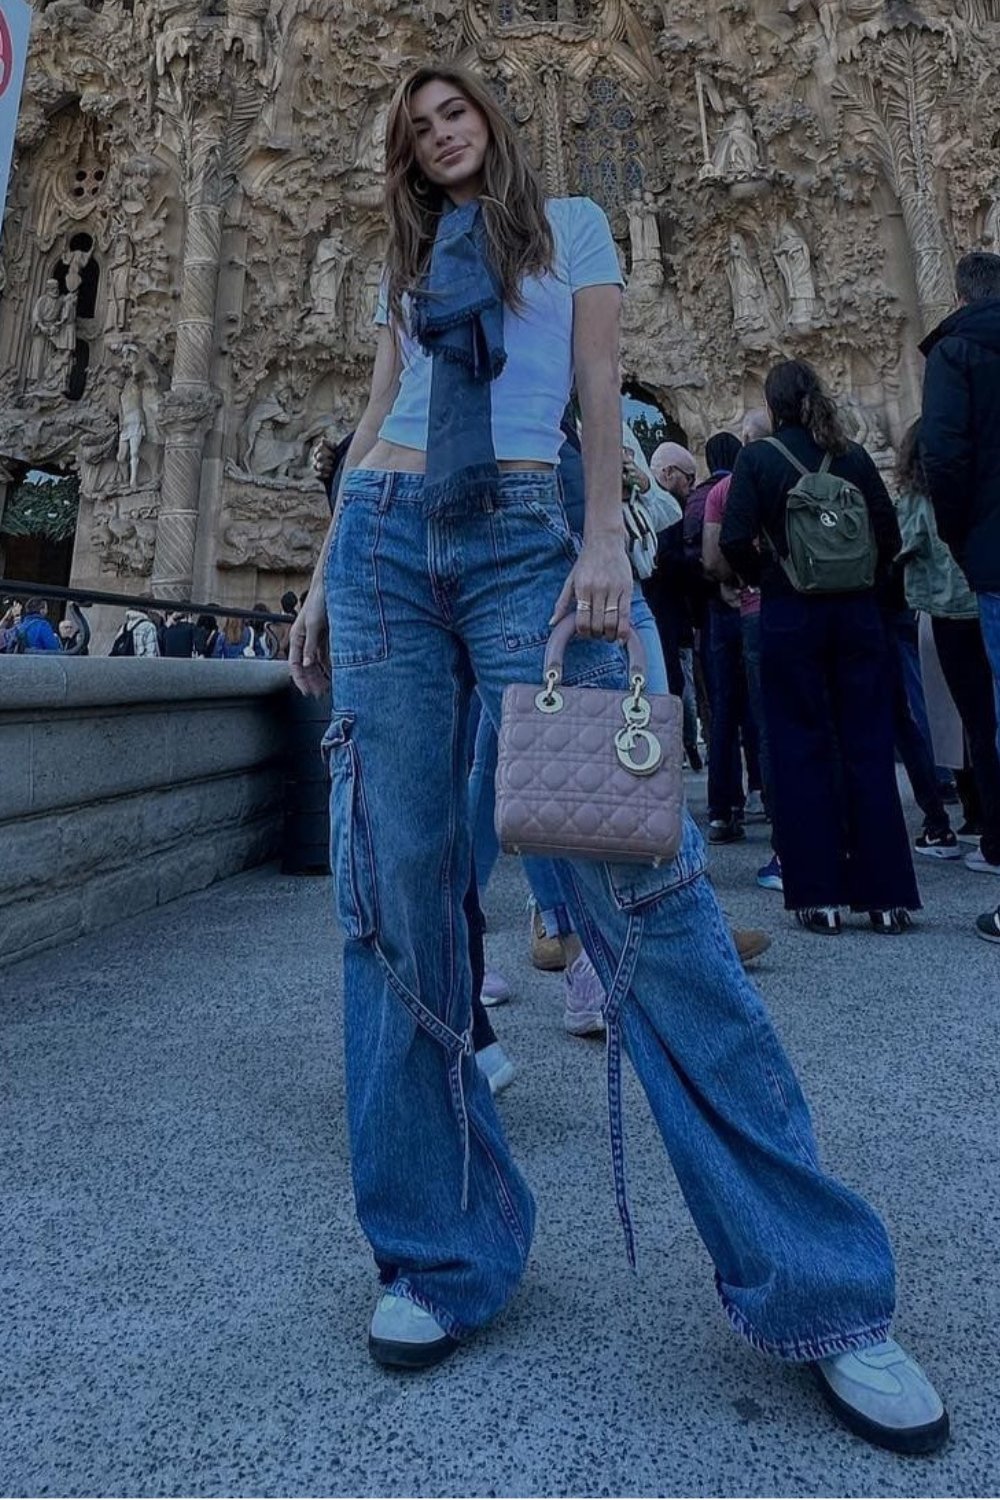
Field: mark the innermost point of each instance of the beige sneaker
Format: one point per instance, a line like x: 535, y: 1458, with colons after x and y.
x: 750, y: 943
x: 547, y: 953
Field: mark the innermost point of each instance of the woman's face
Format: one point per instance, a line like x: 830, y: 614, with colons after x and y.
x: 451, y: 139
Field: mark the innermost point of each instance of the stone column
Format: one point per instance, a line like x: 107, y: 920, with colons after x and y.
x: 188, y: 408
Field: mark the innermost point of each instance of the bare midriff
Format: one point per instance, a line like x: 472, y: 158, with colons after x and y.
x: 398, y: 460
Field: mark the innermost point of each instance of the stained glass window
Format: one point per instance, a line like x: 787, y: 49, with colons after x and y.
x: 609, y: 157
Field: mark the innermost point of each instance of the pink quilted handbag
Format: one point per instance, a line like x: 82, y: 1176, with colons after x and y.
x: 587, y: 773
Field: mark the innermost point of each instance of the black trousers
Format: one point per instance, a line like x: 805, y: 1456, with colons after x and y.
x: 967, y: 672
x: 828, y: 702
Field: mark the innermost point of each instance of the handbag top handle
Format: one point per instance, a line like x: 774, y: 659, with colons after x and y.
x: 564, y: 632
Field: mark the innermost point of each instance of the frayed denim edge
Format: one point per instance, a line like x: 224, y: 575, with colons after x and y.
x: 403, y: 1288
x: 806, y: 1351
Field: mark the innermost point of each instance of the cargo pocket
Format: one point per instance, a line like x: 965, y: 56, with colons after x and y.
x: 358, y: 633
x: 635, y: 887
x: 351, y: 849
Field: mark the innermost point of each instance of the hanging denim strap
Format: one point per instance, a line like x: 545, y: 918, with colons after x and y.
x: 457, y: 1047
x: 612, y: 1019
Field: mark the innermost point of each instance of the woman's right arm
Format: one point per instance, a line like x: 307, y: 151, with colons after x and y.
x: 308, y: 641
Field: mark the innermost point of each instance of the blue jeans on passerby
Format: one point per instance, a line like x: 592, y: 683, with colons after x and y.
x: 906, y: 629
x: 731, y: 718
x: 989, y: 624
x: 423, y: 607
x: 750, y: 627
x: 913, y: 746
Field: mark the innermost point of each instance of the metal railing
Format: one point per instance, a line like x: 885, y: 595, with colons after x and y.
x: 81, y: 599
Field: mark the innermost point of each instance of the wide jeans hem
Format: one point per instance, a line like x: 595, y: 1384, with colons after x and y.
x: 403, y: 1287
x: 801, y: 1351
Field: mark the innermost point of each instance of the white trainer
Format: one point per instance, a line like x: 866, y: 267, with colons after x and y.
x: 496, y: 1067
x: 975, y: 861
x: 884, y: 1396
x: 404, y: 1337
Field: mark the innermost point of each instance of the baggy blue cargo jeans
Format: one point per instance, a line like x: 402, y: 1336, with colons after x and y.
x: 422, y: 607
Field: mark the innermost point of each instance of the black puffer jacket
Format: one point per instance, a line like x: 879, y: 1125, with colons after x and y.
x: 960, y: 438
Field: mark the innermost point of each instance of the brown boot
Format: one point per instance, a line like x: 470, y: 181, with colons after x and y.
x: 547, y: 953
x: 750, y: 943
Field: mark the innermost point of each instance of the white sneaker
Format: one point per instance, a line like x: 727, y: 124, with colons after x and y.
x: 496, y: 1067
x: 404, y: 1337
x: 975, y: 861
x: 884, y: 1396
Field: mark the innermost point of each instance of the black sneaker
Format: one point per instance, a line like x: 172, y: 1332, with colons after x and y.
x: 892, y: 922
x: 938, y: 845
x: 725, y: 831
x: 824, y: 919
x: 988, y: 926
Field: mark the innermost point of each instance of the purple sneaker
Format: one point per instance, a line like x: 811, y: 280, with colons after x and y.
x: 495, y: 990
x: 584, y: 996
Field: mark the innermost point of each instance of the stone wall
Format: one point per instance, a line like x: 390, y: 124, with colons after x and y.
x: 126, y: 783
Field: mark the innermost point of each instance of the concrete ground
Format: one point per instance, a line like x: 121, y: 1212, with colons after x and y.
x: 185, y: 1292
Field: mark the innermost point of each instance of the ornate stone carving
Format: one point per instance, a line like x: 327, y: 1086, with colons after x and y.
x: 794, y: 261
x: 209, y: 174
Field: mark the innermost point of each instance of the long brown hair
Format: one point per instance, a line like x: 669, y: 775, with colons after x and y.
x: 513, y: 201
x: 796, y: 397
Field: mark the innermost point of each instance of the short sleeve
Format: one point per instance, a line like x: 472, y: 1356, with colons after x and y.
x: 715, y: 501
x: 593, y: 259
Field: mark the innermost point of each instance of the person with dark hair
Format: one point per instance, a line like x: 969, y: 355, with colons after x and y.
x: 178, y: 637
x: 33, y: 634
x: 960, y: 448
x: 725, y: 670
x: 756, y: 424
x: 206, y: 628
x: 281, y: 631
x: 824, y: 664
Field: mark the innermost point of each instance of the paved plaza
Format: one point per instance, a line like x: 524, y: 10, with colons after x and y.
x: 186, y: 1293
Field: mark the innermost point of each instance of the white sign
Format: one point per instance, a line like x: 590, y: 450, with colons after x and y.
x: 15, y: 27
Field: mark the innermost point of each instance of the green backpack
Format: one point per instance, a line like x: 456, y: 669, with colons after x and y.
x: 831, y: 546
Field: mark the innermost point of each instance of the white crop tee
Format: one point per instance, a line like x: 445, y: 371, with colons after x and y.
x: 530, y: 396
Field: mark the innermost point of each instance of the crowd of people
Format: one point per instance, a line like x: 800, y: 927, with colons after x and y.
x: 26, y: 629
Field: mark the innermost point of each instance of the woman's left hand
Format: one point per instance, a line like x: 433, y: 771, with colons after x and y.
x: 600, y: 590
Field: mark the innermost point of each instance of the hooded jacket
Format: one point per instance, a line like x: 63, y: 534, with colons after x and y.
x: 143, y: 632
x: 960, y: 438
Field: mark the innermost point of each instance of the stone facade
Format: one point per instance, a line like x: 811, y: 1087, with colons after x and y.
x: 193, y: 237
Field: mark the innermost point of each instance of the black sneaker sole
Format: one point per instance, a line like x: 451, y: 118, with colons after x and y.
x: 393, y: 1354
x: 910, y: 1440
x: 986, y: 929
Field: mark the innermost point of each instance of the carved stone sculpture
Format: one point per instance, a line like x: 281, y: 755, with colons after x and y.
x: 644, y: 237
x: 119, y: 275
x: 131, y: 425
x: 53, y: 319
x: 327, y: 276
x: 737, y: 155
x: 794, y: 261
x: 751, y: 312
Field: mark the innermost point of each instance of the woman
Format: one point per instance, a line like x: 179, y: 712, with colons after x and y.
x: 825, y: 674
x: 234, y: 640
x: 447, y: 563
x: 936, y: 585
